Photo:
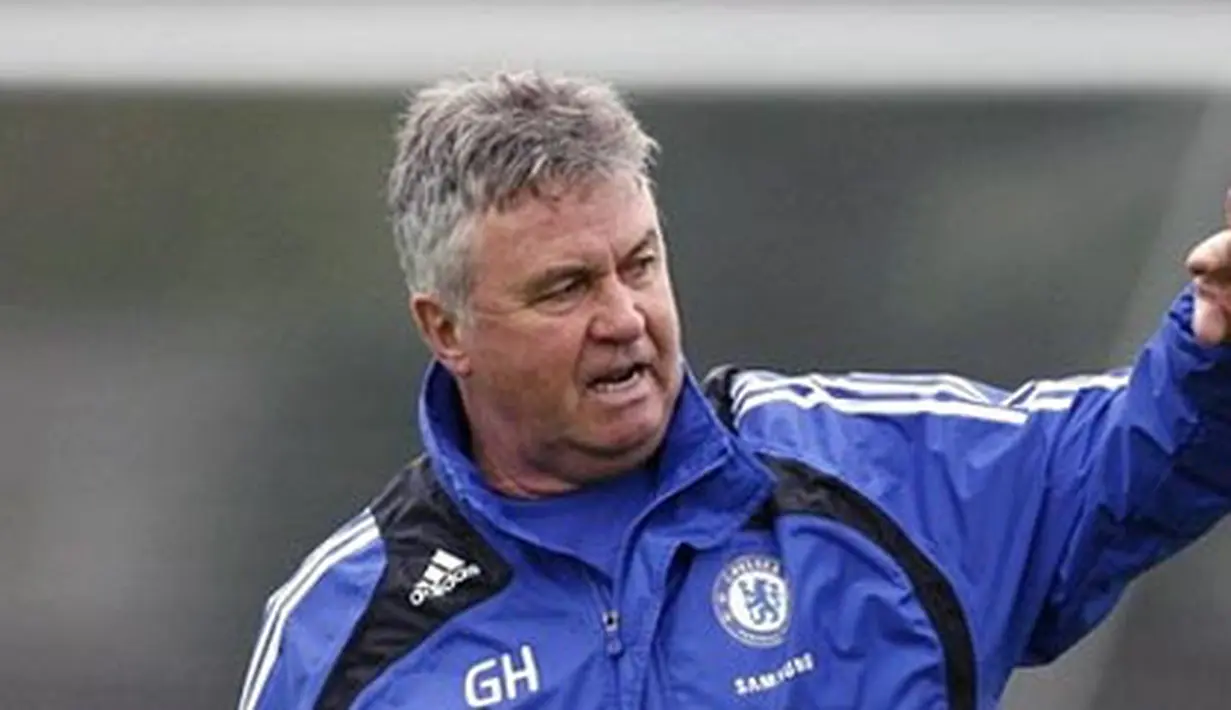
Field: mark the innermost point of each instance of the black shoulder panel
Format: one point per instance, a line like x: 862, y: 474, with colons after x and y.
x: 802, y: 490
x: 717, y: 388
x: 437, y: 566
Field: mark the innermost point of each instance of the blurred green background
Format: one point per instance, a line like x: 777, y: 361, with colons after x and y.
x: 206, y: 365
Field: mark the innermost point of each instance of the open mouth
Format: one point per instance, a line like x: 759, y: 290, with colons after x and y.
x: 620, y: 379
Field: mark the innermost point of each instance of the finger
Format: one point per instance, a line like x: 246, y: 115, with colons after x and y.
x: 1210, y: 324
x: 1215, y: 288
x: 1211, y: 258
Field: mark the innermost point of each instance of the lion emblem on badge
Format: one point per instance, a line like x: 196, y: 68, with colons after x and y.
x: 752, y: 600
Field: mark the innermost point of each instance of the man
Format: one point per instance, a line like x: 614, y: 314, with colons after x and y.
x: 589, y: 527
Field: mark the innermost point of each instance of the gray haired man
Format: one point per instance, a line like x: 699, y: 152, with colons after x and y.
x: 591, y: 527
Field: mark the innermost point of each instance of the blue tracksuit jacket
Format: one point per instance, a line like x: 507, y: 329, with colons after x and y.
x: 862, y: 541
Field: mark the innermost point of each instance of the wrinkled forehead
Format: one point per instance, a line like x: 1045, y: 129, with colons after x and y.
x: 558, y: 218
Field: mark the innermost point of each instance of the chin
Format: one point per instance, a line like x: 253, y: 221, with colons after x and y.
x: 632, y: 441
x: 628, y: 437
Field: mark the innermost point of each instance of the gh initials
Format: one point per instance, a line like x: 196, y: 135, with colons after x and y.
x: 487, y: 685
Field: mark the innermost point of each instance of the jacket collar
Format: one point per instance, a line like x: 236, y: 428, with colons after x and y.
x: 717, y: 483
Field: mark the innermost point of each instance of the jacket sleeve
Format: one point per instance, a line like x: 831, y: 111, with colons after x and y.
x: 1040, y: 505
x: 308, y: 620
x: 1134, y: 473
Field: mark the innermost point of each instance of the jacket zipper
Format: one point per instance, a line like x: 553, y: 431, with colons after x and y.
x: 611, y: 630
x: 609, y: 623
x: 609, y: 613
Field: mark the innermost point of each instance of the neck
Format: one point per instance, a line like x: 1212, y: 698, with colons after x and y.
x: 505, y: 464
x: 513, y: 476
x: 510, y: 467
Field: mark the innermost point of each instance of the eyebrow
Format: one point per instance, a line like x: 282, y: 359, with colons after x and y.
x: 554, y: 275
x: 647, y: 240
x: 563, y: 272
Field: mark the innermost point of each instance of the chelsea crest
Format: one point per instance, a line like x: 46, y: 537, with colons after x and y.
x: 752, y: 601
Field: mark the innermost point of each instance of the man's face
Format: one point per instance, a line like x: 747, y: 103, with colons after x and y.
x: 572, y: 353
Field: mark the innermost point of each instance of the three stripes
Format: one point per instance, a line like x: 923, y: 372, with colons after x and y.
x: 885, y: 394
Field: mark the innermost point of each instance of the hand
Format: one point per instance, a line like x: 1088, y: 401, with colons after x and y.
x: 1210, y: 265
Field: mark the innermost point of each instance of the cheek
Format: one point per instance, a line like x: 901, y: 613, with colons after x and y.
x: 531, y: 354
x: 663, y: 320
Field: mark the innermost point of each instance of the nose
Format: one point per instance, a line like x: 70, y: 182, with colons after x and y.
x: 619, y: 317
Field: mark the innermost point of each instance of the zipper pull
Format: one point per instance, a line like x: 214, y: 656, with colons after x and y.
x: 611, y: 629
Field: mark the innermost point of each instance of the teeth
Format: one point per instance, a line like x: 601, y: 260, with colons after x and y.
x: 627, y: 380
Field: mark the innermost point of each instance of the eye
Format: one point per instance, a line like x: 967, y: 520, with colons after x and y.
x: 641, y: 267
x: 564, y: 291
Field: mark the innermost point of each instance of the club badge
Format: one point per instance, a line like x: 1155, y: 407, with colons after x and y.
x: 752, y: 601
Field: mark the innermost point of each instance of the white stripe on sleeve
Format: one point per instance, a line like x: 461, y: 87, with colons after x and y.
x: 349, y: 540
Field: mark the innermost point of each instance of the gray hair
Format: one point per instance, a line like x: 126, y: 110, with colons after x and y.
x: 467, y: 147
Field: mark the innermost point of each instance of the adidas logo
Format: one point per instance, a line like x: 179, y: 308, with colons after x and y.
x: 444, y: 572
